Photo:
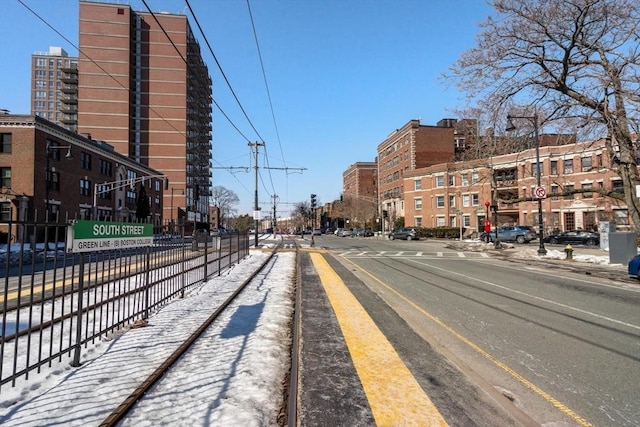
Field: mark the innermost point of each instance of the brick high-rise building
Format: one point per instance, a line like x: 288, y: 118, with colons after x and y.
x: 54, y: 87
x: 151, y: 102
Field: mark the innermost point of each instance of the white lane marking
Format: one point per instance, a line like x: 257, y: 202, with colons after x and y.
x: 568, y: 307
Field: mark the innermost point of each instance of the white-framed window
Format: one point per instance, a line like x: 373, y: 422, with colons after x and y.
x: 466, y: 200
x: 439, y: 181
x: 466, y: 221
x: 475, y: 200
x: 440, y: 201
x: 452, y: 221
x: 475, y: 178
x: 417, y: 184
x: 417, y: 203
x: 440, y: 221
x: 417, y: 220
x: 465, y: 179
x: 622, y: 216
x: 452, y: 201
x: 452, y: 180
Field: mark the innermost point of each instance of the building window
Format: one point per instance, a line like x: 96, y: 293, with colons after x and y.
x: 465, y: 179
x: 440, y: 221
x: 466, y: 200
x: 85, y: 161
x: 475, y: 200
x: 452, y: 181
x: 475, y: 178
x: 131, y: 197
x: 105, y: 167
x: 440, y: 201
x: 452, y: 221
x: 5, y: 211
x: 617, y: 186
x: 5, y: 142
x: 569, y: 189
x: 554, y: 167
x: 440, y: 181
x: 554, y: 192
x: 417, y: 184
x: 622, y: 216
x: 536, y: 169
x: 568, y: 166
x: 5, y: 177
x: 53, y: 180
x: 587, y: 194
x: 466, y: 221
x: 417, y: 221
x: 452, y: 201
x: 103, y: 192
x: 586, y: 164
x: 85, y: 186
x: 417, y: 203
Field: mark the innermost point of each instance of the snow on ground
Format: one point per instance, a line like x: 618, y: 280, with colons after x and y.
x: 233, y: 376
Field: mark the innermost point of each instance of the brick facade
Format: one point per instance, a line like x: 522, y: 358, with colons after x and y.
x: 444, y: 194
x: 72, y: 182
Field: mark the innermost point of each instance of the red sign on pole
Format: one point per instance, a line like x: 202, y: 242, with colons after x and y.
x: 540, y: 192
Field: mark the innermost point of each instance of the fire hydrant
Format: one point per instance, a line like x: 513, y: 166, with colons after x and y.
x: 569, y: 251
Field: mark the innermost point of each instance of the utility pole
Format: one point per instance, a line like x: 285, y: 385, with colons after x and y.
x: 275, y: 201
x: 256, y: 211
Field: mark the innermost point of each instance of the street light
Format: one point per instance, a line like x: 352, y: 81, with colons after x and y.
x: 172, y: 188
x: 510, y: 126
x: 68, y: 156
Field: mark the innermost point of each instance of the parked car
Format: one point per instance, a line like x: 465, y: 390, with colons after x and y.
x: 511, y: 233
x: 634, y: 267
x: 362, y: 233
x: 316, y: 232
x: 343, y: 232
x: 580, y: 237
x: 405, y: 234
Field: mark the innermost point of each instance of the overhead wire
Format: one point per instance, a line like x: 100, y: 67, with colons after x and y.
x: 206, y: 40
x: 212, y: 98
x: 266, y: 84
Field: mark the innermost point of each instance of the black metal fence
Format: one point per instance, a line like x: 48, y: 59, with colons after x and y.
x: 55, y: 303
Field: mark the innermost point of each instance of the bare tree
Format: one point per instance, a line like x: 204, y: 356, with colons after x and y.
x: 302, y: 215
x: 226, y: 200
x: 570, y: 60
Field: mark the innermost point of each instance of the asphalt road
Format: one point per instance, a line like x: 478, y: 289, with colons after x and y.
x: 564, y: 347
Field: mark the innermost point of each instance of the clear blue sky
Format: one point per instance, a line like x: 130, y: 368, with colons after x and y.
x: 342, y: 75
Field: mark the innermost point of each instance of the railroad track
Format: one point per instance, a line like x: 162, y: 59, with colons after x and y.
x: 146, y: 389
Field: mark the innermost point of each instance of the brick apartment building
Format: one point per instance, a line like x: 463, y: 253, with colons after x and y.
x: 149, y: 101
x: 360, y: 192
x: 446, y: 193
x: 54, y: 87
x: 415, y: 146
x: 51, y: 174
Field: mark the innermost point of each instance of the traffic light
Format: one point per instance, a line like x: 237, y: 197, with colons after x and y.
x: 313, y: 201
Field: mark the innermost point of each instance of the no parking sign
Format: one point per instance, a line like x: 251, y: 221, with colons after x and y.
x: 540, y: 192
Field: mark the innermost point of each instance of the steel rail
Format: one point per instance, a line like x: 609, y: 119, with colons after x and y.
x: 127, y: 405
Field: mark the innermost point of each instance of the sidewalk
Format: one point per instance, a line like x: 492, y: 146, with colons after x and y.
x: 590, y: 260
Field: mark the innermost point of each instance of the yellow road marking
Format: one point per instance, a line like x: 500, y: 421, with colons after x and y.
x: 546, y: 396
x: 393, y: 393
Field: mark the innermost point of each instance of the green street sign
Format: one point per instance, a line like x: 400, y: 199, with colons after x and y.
x: 88, y: 236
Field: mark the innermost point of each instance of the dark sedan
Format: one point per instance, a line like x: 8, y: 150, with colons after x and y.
x: 404, y: 233
x: 578, y: 237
